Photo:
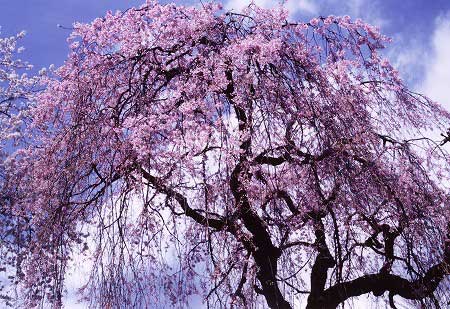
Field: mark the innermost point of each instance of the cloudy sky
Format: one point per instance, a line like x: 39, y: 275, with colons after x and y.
x: 420, y: 30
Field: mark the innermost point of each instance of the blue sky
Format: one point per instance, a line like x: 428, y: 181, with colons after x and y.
x: 420, y: 29
x: 45, y: 43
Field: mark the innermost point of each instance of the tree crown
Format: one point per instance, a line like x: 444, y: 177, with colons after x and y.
x: 250, y: 148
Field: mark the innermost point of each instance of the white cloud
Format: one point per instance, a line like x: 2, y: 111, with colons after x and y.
x: 369, y: 10
x: 436, y: 84
x: 305, y: 6
x: 356, y: 7
x: 407, y: 54
x: 293, y: 6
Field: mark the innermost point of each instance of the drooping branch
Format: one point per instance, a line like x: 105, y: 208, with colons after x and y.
x: 217, y: 223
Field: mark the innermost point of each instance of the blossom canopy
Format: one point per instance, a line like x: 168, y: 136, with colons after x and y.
x: 238, y: 156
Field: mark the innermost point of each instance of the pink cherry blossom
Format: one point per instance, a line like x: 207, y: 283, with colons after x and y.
x: 244, y: 158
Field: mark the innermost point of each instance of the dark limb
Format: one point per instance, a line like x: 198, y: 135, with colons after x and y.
x: 264, y: 253
x: 377, y: 284
x: 215, y: 222
x: 323, y: 262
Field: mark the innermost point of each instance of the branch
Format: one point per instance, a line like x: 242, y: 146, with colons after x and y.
x: 265, y: 254
x: 379, y: 283
x: 297, y: 243
x: 288, y: 200
x: 323, y: 262
x: 218, y: 224
x: 290, y: 150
